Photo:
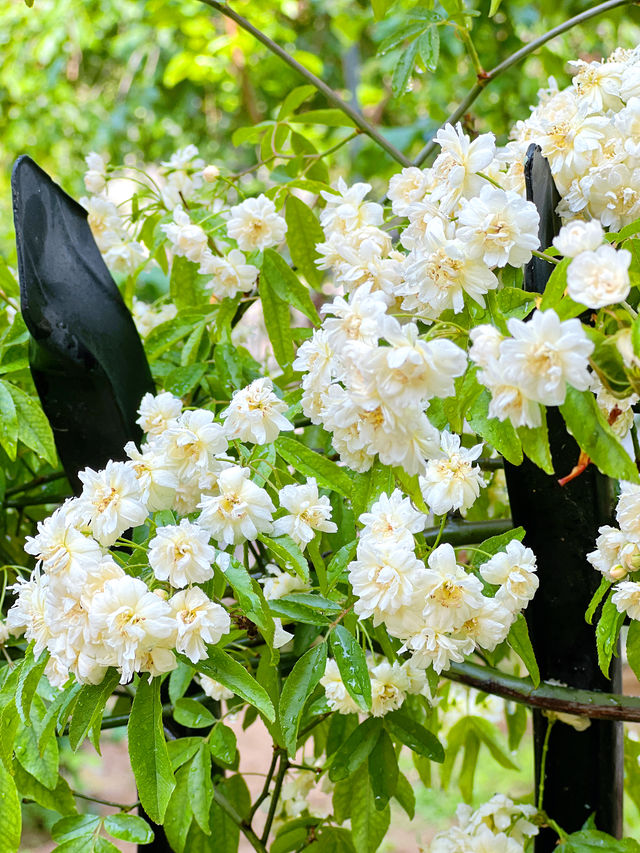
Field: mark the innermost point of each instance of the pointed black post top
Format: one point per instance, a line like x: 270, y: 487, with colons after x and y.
x: 86, y: 356
x: 542, y: 191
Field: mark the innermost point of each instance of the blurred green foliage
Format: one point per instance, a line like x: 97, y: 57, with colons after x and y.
x: 139, y: 80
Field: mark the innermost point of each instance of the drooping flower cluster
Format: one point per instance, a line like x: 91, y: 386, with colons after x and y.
x: 81, y: 602
x: 617, y: 552
x: 498, y: 825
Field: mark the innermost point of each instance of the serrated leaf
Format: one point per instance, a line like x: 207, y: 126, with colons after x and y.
x: 28, y: 680
x: 403, y: 69
x: 10, y: 814
x: 178, y: 814
x: 74, y: 826
x: 33, y: 427
x: 303, y: 234
x: 300, y: 684
x: 306, y: 461
x: 148, y: 750
x: 352, y: 664
x: 414, y: 735
x: 234, y: 676
x: 593, y: 434
x: 355, y: 749
x: 519, y: 640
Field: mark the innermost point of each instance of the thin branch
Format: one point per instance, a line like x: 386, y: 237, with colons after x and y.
x: 467, y: 532
x: 320, y: 85
x: 245, y: 829
x: 32, y: 484
x: 510, y: 61
x: 273, y: 805
x: 551, y: 697
x: 121, y: 806
x: 265, y: 790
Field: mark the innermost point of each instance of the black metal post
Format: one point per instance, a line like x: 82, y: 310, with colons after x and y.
x: 583, y: 770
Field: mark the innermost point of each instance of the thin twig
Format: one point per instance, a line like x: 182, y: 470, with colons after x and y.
x: 510, y: 61
x: 245, y: 829
x: 122, y: 807
x: 32, y: 484
x: 273, y: 805
x: 468, y: 532
x: 332, y: 96
x: 265, y: 790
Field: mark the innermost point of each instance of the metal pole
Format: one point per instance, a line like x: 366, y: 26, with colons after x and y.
x: 583, y: 770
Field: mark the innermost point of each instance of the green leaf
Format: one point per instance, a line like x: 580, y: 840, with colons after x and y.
x: 598, y: 595
x: 409, y: 29
x: 34, y: 429
x: 250, y: 597
x: 60, y: 799
x: 89, y: 707
x: 535, y: 443
x: 303, y: 234
x: 129, y: 827
x: 355, y: 749
x: 380, y: 8
x: 495, y: 544
x: 405, y: 729
x: 178, y: 815
x: 405, y: 795
x: 10, y: 814
x: 148, y: 750
x: 501, y: 435
x: 234, y: 676
x: 300, y: 684
x: 295, y: 99
x: 182, y: 749
x: 588, y: 426
x: 8, y: 422
x: 429, y: 47
x: 495, y: 5
x: 403, y: 69
x: 328, y: 117
x: 633, y: 647
x: 339, y: 562
x: 222, y: 743
x: 182, y: 285
x: 383, y: 771
x: 368, y: 824
x: 556, y: 285
x: 293, y: 611
x: 594, y: 841
x: 28, y: 680
x: 607, y: 631
x: 180, y: 678
x: 75, y: 826
x: 200, y: 786
x: 520, y: 642
x: 352, y: 664
x: 306, y: 461
x: 287, y: 555
x: 490, y: 736
x: 194, y: 715
x: 287, y: 286
x: 43, y: 767
x: 277, y: 321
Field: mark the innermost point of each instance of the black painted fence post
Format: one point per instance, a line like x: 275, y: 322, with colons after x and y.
x: 583, y: 769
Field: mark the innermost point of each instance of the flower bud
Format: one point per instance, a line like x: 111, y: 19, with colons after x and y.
x: 618, y: 572
x: 211, y: 174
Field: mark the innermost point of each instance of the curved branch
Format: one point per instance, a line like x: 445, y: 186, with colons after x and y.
x: 510, y: 61
x: 550, y: 697
x: 332, y: 96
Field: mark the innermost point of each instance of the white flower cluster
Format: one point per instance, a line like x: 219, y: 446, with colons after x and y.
x: 532, y: 366
x: 498, y: 826
x: 81, y: 604
x: 617, y: 552
x: 121, y: 252
x: 390, y: 684
x: 440, y: 611
x: 590, y: 134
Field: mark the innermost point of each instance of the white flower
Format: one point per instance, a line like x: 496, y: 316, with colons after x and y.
x: 308, y: 512
x: 338, y: 698
x: 155, y: 474
x: 452, y: 482
x: 241, y: 510
x: 231, y: 274
x: 454, y: 172
x: 440, y: 271
x: 280, y: 636
x: 499, y: 227
x: 128, y: 621
x: 626, y: 598
x: 199, y: 620
x: 111, y: 501
x: 181, y: 554
x: 104, y: 220
x: 346, y: 211
x: 615, y: 556
x: 599, y: 278
x: 210, y: 175
x: 579, y: 236
x: 451, y: 595
x: 146, y: 317
x: 188, y: 239
x: 61, y: 547
x: 158, y: 412
x: 508, y: 399
x: 125, y: 256
x: 316, y: 357
x: 192, y: 443
x: 628, y: 510
x: 544, y: 354
x: 95, y: 176
x: 407, y: 187
x: 485, y: 344
x: 279, y: 583
x: 27, y: 613
x: 255, y: 414
x: 489, y: 624
x: 431, y: 647
x: 389, y: 686
x: 254, y: 224
x: 392, y: 519
x: 214, y: 689
x: 359, y: 319
x: 383, y: 578
x: 514, y: 569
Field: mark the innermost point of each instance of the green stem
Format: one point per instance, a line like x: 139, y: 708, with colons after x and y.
x: 468, y: 532
x: 265, y: 790
x: 32, y: 484
x: 37, y: 501
x: 543, y: 762
x: 121, y: 806
x: 320, y: 85
x: 465, y: 35
x: 245, y: 829
x: 273, y: 805
x: 488, y: 76
x: 566, y: 700
x: 544, y: 257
